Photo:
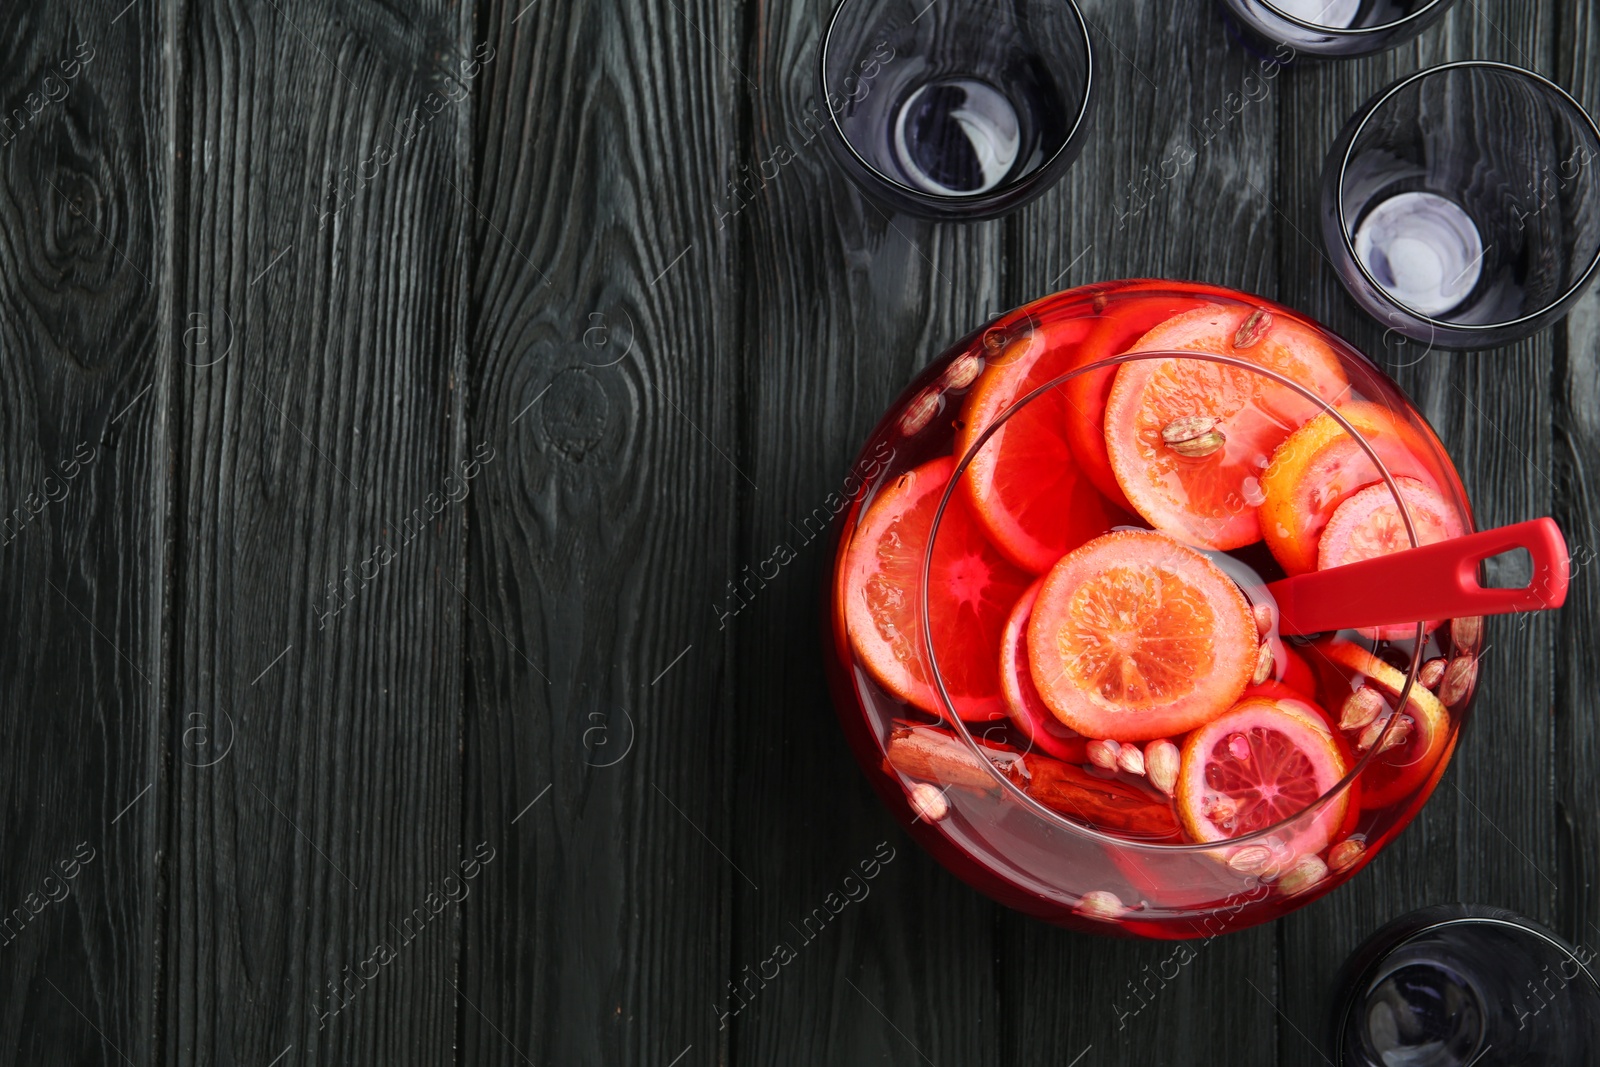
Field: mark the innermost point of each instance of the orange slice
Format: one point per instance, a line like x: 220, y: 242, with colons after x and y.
x: 1025, y: 486
x: 1135, y: 636
x: 1210, y: 499
x: 1026, y: 708
x: 1124, y: 320
x: 1397, y: 772
x: 1261, y: 762
x: 971, y: 591
x: 1320, y: 466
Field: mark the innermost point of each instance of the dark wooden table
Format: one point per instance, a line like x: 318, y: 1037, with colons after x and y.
x: 389, y: 394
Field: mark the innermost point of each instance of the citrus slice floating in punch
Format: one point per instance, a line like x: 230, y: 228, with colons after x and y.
x: 1189, y: 438
x: 971, y: 591
x: 1135, y: 636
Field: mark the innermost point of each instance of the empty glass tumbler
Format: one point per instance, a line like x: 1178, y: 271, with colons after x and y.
x: 956, y: 109
x: 1460, y: 205
x: 1461, y: 984
x: 1334, y: 28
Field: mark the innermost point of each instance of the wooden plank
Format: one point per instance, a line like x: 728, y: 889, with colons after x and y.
x: 85, y: 495
x: 1576, y: 450
x: 842, y: 304
x: 1173, y: 184
x: 314, y: 881
x: 1488, y: 834
x: 603, y: 371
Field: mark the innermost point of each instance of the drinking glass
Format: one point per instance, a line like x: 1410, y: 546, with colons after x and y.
x: 1460, y: 207
x: 956, y: 109
x: 1465, y: 984
x: 1335, y: 28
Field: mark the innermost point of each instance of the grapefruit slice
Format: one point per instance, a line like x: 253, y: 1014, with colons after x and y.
x: 1396, y: 773
x: 1025, y: 487
x: 1204, y: 489
x: 1124, y: 320
x: 1135, y: 636
x: 1302, y: 700
x: 1369, y: 525
x: 1261, y: 762
x: 1026, y: 708
x: 971, y: 590
x: 1320, y: 466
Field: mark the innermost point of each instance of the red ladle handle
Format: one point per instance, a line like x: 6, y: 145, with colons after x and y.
x: 1437, y: 581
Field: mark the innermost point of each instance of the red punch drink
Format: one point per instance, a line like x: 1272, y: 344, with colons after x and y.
x: 1052, y: 642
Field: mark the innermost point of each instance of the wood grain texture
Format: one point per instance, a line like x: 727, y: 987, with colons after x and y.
x: 85, y: 494
x: 1575, y: 466
x: 1174, y: 183
x: 1488, y: 834
x: 426, y: 373
x: 842, y: 304
x: 603, y: 361
x: 317, y: 817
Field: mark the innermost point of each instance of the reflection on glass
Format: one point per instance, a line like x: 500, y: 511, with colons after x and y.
x: 956, y: 109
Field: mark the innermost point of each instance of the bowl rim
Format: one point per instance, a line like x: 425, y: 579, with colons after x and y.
x: 1370, y: 109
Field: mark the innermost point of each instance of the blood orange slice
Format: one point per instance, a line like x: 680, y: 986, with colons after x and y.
x: 1135, y: 636
x: 1301, y: 699
x: 1396, y: 773
x: 1124, y: 320
x: 1261, y: 762
x: 1369, y: 524
x: 1026, y: 489
x: 1320, y: 466
x: 1027, y: 709
x: 971, y: 590
x: 1188, y: 439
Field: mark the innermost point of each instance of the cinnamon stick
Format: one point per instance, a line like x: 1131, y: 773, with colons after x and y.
x: 936, y: 755
x: 1103, y: 803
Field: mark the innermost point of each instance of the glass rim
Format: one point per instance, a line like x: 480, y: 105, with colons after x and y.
x: 989, y: 196
x: 1355, y: 31
x: 1521, y: 925
x: 1371, y: 108
x: 955, y: 722
x: 1447, y: 916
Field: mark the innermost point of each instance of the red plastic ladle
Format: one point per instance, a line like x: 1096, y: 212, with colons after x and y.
x: 1437, y: 581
